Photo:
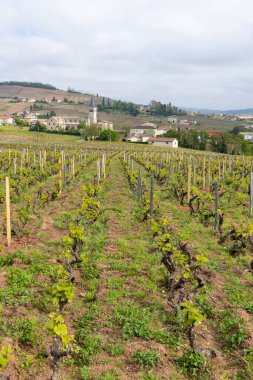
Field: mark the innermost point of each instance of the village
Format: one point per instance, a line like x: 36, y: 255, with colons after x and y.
x: 89, y: 120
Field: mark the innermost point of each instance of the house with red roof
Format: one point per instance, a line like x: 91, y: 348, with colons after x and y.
x: 6, y: 120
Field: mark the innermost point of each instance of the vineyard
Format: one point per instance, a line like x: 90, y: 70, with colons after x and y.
x: 125, y: 262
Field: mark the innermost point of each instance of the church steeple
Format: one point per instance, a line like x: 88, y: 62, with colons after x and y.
x: 92, y: 118
x: 92, y: 103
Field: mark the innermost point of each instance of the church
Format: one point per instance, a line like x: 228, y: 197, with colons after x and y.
x: 66, y: 122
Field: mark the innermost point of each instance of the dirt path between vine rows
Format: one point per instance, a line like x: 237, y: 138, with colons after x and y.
x: 125, y: 277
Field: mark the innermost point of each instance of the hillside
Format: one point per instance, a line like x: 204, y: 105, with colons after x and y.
x: 9, y: 104
x: 9, y: 92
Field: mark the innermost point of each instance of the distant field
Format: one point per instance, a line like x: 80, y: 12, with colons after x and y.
x: 17, y: 134
x: 41, y: 93
x: 125, y: 121
x: 8, y: 92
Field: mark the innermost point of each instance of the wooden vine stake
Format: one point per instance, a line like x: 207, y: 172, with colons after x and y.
x: 73, y: 166
x: 60, y: 176
x: 216, y: 222
x: 204, y: 173
x: 194, y: 173
x: 8, y: 212
x: 209, y: 175
x: 189, y: 183
x: 98, y: 170
x: 103, y: 165
x: 219, y: 171
x: 251, y: 193
x: 151, y: 210
x: 139, y: 191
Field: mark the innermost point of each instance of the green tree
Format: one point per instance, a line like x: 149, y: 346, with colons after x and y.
x: 91, y: 132
x: 38, y: 127
x: 247, y: 148
x: 218, y: 143
x: 236, y: 130
x: 81, y: 125
x: 108, y: 135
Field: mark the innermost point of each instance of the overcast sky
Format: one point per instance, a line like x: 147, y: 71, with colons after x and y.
x: 193, y: 53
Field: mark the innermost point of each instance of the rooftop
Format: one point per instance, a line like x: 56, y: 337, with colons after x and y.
x: 162, y: 139
x: 143, y: 127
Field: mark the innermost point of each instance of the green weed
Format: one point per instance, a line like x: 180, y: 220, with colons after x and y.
x: 148, y: 358
x: 114, y: 349
x: 193, y: 364
x: 25, y: 331
x: 232, y: 329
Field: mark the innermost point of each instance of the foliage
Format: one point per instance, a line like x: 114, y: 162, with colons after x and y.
x: 38, y: 127
x: 120, y: 106
x: 192, y: 363
x: 108, y: 135
x: 148, y: 358
x: 190, y: 315
x: 28, y: 84
x: 191, y: 139
x: 157, y: 108
x: 232, y: 330
x: 25, y: 331
x: 5, y: 355
x: 57, y: 327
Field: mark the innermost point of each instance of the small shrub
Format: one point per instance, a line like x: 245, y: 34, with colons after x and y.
x: 148, y: 358
x: 114, y: 349
x: 134, y: 321
x: 192, y: 364
x: 25, y: 331
x: 85, y: 373
x: 90, y: 347
x: 5, y: 355
x: 232, y: 330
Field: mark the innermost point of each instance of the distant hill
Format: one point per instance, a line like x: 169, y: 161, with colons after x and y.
x: 40, y: 91
x: 13, y: 95
x: 205, y: 111
x: 245, y: 111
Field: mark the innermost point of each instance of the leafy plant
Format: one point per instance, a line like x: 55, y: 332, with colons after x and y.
x: 148, y: 358
x: 192, y: 363
x: 25, y: 330
x: 57, y: 327
x: 5, y: 355
x: 232, y: 330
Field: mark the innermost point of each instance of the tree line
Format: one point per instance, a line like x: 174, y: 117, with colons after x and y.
x: 28, y: 84
x: 159, y: 109
x: 228, y: 142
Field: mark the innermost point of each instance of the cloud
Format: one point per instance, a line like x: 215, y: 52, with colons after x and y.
x: 196, y: 53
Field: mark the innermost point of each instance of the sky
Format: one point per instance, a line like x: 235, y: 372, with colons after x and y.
x: 192, y: 53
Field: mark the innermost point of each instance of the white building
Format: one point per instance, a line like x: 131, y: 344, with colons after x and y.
x: 248, y: 136
x: 163, y: 129
x: 57, y: 123
x: 104, y: 125
x: 31, y: 117
x: 146, y: 128
x: 132, y: 138
x: 163, y: 141
x: 6, y: 120
x: 172, y: 119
